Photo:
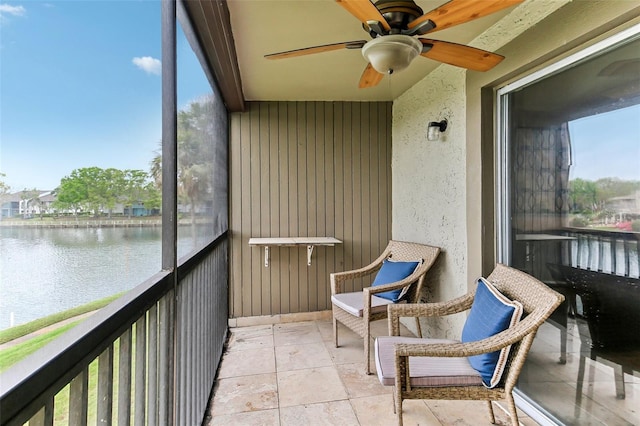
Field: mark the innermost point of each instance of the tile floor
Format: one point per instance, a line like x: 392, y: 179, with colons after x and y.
x: 291, y: 374
x: 553, y: 384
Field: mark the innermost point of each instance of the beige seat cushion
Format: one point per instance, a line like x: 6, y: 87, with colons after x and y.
x: 424, y: 371
x: 354, y: 303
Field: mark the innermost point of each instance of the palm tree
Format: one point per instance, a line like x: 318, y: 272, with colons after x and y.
x: 195, y: 155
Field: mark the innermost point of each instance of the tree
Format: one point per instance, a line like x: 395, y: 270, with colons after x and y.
x: 582, y: 196
x: 95, y: 189
x: 156, y: 168
x: 4, y: 189
x: 153, y: 197
x: 134, y: 188
x: 608, y: 188
x: 195, y: 155
x: 92, y: 179
x: 111, y: 185
x: 72, y: 193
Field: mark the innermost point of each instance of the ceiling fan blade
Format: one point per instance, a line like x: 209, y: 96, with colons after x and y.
x: 370, y: 77
x: 317, y: 49
x: 365, y: 11
x: 458, y: 12
x: 460, y: 55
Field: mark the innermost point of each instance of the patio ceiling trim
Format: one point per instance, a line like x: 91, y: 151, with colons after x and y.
x: 212, y: 25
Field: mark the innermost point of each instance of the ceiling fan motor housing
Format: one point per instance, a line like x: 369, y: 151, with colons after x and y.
x: 398, y: 13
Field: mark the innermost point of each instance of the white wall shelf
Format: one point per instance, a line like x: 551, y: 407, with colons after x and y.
x: 310, y: 242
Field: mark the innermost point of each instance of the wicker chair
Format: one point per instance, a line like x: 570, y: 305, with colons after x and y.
x: 366, y: 306
x: 538, y: 302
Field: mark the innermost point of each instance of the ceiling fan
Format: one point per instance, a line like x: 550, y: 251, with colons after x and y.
x: 393, y: 26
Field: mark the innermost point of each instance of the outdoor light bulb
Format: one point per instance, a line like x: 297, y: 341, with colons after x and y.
x: 433, y: 133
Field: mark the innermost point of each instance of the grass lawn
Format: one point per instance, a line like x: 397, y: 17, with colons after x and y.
x: 15, y: 353
x: 35, y: 325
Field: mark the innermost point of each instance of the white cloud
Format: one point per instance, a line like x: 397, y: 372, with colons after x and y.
x: 7, y: 9
x: 12, y: 10
x: 148, y: 64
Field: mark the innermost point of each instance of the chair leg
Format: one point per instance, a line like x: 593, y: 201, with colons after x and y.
x: 398, y: 405
x: 579, y: 382
x: 618, y: 375
x: 563, y: 346
x: 492, y: 417
x: 335, y: 331
x: 512, y: 409
x: 367, y: 348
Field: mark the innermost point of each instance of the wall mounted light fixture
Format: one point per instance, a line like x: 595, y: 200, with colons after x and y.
x: 435, y: 129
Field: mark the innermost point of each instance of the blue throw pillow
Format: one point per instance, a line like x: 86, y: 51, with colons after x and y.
x: 391, y: 272
x: 491, y: 313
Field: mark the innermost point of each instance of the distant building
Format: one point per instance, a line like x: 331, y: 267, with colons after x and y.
x: 10, y: 206
x: 35, y: 202
x: 25, y: 204
x: 625, y: 207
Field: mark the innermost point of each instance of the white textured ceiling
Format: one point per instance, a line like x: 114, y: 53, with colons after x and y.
x: 261, y: 27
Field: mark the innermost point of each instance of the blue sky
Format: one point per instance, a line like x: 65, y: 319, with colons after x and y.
x: 80, y: 86
x: 606, y: 145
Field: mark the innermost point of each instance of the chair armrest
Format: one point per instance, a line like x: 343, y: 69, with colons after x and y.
x: 337, y: 278
x: 490, y: 344
x: 416, y: 310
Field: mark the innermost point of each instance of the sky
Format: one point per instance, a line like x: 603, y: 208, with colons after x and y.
x: 80, y: 86
x: 606, y: 145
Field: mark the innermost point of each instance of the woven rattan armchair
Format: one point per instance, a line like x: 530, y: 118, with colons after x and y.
x: 538, y: 302
x: 366, y: 306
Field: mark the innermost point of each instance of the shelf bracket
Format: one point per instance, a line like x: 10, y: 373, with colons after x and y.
x: 309, y: 253
x: 266, y: 256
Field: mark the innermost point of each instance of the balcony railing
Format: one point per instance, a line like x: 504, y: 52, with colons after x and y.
x: 612, y: 253
x: 149, y: 358
x: 615, y: 253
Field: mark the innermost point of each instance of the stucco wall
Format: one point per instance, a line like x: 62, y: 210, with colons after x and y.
x: 428, y: 179
x: 438, y: 185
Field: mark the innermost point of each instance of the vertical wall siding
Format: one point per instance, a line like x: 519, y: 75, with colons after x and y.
x: 306, y: 169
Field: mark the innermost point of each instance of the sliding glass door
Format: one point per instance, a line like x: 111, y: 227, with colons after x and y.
x: 569, y: 214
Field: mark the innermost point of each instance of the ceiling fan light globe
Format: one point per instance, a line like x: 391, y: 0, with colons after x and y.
x: 391, y: 53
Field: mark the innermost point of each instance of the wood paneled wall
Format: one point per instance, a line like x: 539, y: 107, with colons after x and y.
x: 306, y: 169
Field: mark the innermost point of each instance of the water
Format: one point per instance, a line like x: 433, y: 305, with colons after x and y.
x: 43, y: 271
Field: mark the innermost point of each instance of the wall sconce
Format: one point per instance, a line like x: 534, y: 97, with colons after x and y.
x: 435, y: 128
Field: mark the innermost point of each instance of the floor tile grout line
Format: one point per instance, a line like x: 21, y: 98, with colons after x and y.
x: 349, y: 396
x: 275, y: 360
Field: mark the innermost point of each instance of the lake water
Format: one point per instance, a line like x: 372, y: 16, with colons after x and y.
x: 43, y: 271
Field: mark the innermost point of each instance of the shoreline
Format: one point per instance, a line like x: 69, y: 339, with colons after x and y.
x: 100, y: 223
x: 89, y: 223
x: 44, y: 330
